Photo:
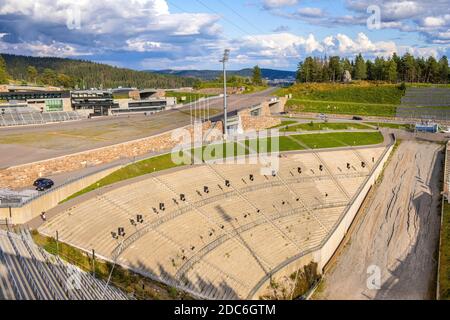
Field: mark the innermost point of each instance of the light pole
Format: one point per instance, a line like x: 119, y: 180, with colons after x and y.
x: 226, y: 55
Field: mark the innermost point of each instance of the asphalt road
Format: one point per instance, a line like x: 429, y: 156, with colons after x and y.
x: 397, y: 235
x: 25, y: 144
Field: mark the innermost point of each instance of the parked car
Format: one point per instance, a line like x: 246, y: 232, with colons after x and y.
x: 42, y: 184
x: 357, y: 118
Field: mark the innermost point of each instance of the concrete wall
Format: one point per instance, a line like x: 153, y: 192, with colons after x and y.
x: 51, y: 198
x: 263, y: 121
x: 24, y: 175
x: 445, y: 197
x: 323, y: 254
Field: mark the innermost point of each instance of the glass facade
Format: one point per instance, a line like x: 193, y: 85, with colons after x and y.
x: 53, y: 105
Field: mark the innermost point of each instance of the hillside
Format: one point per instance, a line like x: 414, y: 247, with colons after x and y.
x: 87, y: 74
x: 208, y: 75
x: 361, y: 98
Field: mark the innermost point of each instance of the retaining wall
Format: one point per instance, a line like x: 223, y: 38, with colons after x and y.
x: 47, y: 200
x: 326, y: 250
x: 24, y: 175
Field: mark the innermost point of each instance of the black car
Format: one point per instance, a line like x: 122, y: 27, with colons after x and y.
x: 43, y: 183
x: 357, y: 118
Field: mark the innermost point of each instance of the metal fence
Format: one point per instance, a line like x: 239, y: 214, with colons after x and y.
x: 28, y: 118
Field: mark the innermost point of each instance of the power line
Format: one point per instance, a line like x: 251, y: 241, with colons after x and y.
x: 226, y: 19
x: 242, y: 17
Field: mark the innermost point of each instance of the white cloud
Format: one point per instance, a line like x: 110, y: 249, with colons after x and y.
x: 105, y: 24
x: 311, y: 12
x: 37, y: 48
x: 270, y: 4
x: 287, y: 46
x: 433, y: 22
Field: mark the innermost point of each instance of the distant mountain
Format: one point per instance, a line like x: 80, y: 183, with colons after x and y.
x: 83, y: 73
x: 270, y: 74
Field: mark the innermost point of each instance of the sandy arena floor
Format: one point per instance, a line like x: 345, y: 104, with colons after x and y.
x: 398, y: 233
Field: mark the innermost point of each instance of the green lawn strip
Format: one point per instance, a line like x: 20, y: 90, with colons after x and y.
x: 403, y: 126
x: 157, y: 163
x: 231, y: 149
x: 284, y: 123
x: 253, y: 89
x: 356, y: 138
x: 189, y: 96
x: 317, y: 126
x: 444, y: 266
x: 128, y: 281
x: 350, y: 108
x: 378, y: 94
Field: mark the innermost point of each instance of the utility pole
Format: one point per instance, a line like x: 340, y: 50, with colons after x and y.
x: 226, y: 55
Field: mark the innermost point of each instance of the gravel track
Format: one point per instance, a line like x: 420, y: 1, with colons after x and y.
x: 399, y: 232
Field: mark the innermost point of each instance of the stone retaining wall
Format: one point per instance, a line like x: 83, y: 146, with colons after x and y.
x: 24, y: 175
x: 263, y: 121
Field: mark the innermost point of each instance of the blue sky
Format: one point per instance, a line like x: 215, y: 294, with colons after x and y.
x: 191, y: 34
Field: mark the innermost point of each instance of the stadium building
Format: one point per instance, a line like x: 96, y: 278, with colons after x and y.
x: 93, y: 102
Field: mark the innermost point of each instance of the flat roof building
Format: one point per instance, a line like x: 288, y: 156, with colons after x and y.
x: 97, y: 102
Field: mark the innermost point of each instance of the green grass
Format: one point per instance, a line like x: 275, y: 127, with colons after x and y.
x: 121, y: 96
x: 362, y: 92
x: 339, y: 139
x: 189, y: 96
x: 317, y: 126
x: 334, y: 107
x: 128, y: 281
x: 401, y: 126
x: 249, y: 88
x: 284, y: 123
x: 420, y: 85
x: 286, y: 143
x: 252, y: 89
x: 444, y: 266
x: 361, y: 98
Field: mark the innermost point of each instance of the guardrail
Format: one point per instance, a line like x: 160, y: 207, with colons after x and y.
x: 68, y: 181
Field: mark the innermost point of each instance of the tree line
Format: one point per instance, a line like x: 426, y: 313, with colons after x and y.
x: 406, y: 68
x: 69, y: 73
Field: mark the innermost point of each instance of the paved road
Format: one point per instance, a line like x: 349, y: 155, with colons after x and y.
x: 19, y: 145
x: 398, y: 233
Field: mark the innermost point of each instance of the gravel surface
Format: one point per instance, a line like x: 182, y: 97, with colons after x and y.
x: 398, y: 232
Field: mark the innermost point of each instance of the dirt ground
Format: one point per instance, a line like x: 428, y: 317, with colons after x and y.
x: 398, y: 234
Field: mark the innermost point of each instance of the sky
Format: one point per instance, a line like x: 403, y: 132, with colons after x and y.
x: 192, y: 34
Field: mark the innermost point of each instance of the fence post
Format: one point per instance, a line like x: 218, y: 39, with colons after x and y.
x: 93, y: 263
x: 57, y: 239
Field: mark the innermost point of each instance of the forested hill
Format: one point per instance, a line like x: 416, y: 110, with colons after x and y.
x: 208, y: 75
x: 86, y: 74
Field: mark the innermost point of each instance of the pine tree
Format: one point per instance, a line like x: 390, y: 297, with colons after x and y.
x: 4, y: 77
x: 391, y: 75
x: 257, y: 78
x: 32, y: 74
x: 443, y: 69
x: 360, y: 68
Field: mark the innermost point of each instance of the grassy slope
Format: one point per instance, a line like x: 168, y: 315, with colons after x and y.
x: 129, y: 282
x: 360, y: 98
x: 162, y: 162
x: 249, y: 88
x: 444, y: 267
x: 316, y: 126
x: 190, y: 96
x: 391, y: 125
